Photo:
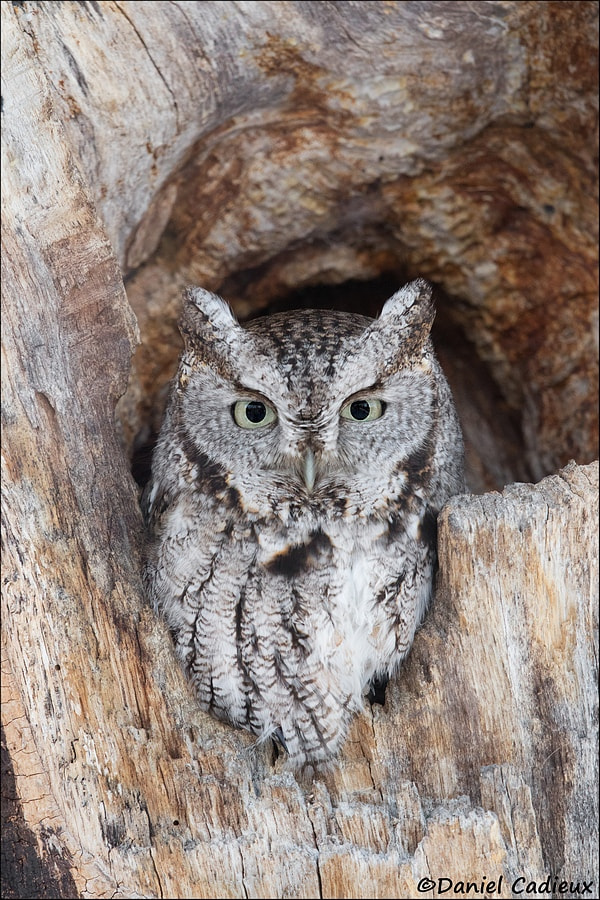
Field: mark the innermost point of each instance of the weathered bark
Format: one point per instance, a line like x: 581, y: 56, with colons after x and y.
x: 149, y: 140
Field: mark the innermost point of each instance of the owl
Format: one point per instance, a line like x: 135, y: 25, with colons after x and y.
x: 292, y: 506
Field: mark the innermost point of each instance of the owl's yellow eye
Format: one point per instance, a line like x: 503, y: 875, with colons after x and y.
x: 363, y: 410
x: 253, y: 414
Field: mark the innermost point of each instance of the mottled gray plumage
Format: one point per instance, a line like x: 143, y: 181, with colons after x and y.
x: 295, y: 487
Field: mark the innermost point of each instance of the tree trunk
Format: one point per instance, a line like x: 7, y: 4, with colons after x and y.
x: 259, y: 149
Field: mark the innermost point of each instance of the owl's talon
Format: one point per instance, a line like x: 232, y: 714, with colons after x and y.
x: 277, y: 736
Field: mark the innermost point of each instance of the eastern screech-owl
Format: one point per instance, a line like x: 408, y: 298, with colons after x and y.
x: 295, y: 486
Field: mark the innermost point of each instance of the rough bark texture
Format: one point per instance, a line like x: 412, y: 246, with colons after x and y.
x: 261, y: 149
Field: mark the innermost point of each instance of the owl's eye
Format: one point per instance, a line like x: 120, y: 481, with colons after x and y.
x: 363, y: 410
x: 253, y: 414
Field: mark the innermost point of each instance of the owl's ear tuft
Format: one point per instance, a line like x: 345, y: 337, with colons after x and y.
x: 411, y: 306
x: 409, y: 315
x: 205, y: 318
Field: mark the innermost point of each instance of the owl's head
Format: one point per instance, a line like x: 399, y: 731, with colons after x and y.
x: 312, y: 412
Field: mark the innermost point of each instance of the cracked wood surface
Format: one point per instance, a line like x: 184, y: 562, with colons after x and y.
x: 483, y: 763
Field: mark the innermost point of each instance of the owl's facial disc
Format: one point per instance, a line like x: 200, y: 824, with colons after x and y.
x: 305, y: 454
x: 305, y: 435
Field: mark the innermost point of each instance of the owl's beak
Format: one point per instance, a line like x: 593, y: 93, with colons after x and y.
x: 309, y: 470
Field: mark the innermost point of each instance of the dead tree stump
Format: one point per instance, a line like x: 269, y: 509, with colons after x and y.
x: 278, y: 152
